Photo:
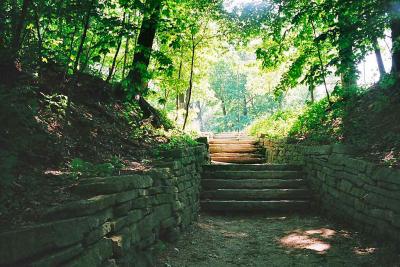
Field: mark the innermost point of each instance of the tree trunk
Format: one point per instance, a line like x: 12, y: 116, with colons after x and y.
x: 223, y: 107
x: 379, y: 59
x: 395, y: 27
x: 245, y: 109
x: 321, y: 65
x: 312, y: 89
x: 189, y: 95
x: 86, y: 23
x: 138, y: 73
x: 39, y: 35
x: 200, y: 116
x: 126, y: 52
x: 102, y: 65
x: 177, y: 92
x: 87, y: 55
x: 16, y: 41
x: 111, y: 72
x: 347, y: 68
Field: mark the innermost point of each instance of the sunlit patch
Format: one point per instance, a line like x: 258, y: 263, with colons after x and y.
x: 310, y: 239
x: 324, y: 232
x: 345, y: 234
x: 205, y: 226
x: 53, y: 172
x: 364, y: 251
x: 276, y: 218
x: 233, y: 234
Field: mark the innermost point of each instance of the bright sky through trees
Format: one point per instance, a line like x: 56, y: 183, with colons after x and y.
x: 231, y: 4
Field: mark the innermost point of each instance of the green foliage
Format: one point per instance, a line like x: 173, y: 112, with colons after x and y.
x: 56, y: 103
x: 177, y: 140
x: 276, y: 126
x: 82, y: 168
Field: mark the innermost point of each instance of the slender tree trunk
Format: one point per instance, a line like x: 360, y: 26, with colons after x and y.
x: 245, y: 109
x: 86, y: 24
x: 200, y: 116
x: 16, y: 41
x: 321, y: 63
x: 312, y: 89
x: 189, y: 95
x: 116, y: 68
x: 126, y: 52
x: 87, y: 55
x: 39, y: 35
x: 223, y: 107
x: 177, y: 91
x: 111, y: 72
x: 379, y: 59
x: 224, y: 112
x: 102, y: 64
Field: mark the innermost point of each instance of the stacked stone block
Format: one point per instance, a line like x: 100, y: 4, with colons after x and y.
x: 353, y: 190
x: 120, y: 220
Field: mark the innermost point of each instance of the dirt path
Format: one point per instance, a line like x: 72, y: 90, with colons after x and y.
x: 254, y: 240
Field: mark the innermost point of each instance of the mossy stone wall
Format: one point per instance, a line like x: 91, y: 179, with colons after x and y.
x: 352, y: 189
x: 120, y: 221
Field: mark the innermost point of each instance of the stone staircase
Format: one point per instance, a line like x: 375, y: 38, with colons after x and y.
x: 235, y: 148
x: 232, y: 184
x: 254, y: 187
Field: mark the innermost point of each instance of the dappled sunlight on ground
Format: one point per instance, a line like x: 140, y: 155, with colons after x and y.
x: 364, y: 251
x: 309, y: 239
x: 257, y: 240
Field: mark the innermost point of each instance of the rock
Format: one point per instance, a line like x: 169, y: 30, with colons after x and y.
x: 31, y: 241
x: 94, y: 255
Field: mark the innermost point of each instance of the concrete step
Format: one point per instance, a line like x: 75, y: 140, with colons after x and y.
x: 254, y: 205
x: 238, y: 160
x: 251, y: 167
x: 256, y: 194
x: 209, y: 184
x: 233, y: 142
x: 233, y: 148
x: 252, y: 174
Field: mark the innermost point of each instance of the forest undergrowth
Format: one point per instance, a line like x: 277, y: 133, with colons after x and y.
x: 365, y: 119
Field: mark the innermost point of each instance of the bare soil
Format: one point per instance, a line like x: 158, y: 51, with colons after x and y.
x: 276, y: 240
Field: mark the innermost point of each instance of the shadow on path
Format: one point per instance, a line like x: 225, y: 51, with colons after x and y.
x: 257, y: 240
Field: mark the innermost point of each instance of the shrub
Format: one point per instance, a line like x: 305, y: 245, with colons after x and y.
x: 81, y: 168
x: 276, y: 126
x: 177, y: 140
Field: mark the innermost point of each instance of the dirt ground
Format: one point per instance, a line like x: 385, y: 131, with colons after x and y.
x: 257, y: 240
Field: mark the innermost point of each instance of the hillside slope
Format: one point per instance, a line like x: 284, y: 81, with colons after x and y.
x: 47, y: 142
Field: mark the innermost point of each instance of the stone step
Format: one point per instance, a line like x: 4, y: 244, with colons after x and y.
x: 209, y: 184
x: 228, y: 137
x: 229, y: 148
x: 252, y: 174
x: 254, y: 205
x: 233, y: 142
x: 238, y: 160
x: 256, y: 194
x: 235, y: 155
x: 250, y: 167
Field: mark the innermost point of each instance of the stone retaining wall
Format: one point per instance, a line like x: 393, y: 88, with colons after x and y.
x: 353, y: 190
x: 119, y: 222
